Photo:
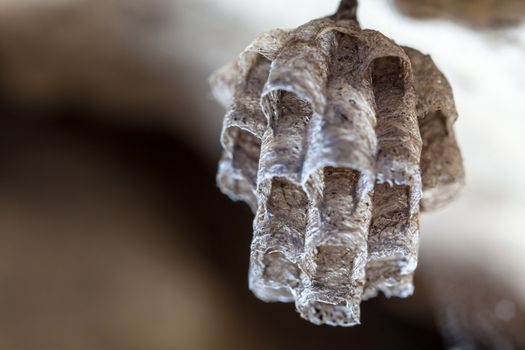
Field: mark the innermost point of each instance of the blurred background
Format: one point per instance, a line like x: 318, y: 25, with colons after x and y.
x: 114, y: 236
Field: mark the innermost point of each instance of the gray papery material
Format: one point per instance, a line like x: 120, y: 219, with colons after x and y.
x: 334, y: 136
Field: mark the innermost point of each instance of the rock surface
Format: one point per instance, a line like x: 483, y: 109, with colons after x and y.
x: 477, y: 13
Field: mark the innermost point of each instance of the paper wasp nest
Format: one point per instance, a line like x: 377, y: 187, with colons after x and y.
x: 336, y: 137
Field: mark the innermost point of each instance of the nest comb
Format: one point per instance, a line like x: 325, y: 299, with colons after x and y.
x: 336, y: 137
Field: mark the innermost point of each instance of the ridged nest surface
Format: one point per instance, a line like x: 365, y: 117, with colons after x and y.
x: 336, y: 137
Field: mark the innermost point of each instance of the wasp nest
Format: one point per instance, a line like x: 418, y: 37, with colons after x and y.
x: 335, y: 136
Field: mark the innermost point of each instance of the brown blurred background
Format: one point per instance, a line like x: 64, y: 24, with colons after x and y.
x: 114, y: 236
